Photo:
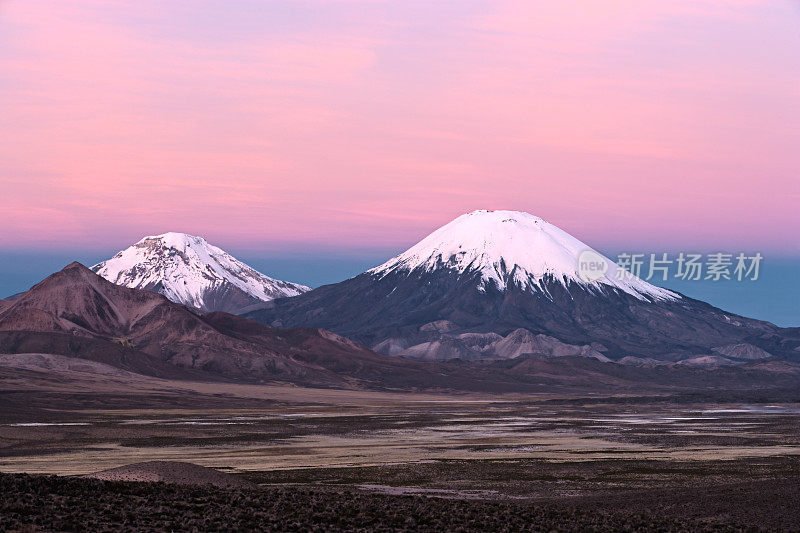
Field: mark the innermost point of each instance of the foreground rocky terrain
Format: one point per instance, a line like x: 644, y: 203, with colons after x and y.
x: 32, y: 503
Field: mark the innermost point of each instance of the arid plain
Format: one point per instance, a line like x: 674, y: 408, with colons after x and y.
x: 695, y: 457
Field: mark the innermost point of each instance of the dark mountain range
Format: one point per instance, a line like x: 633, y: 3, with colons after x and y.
x: 500, y: 284
x: 77, y: 314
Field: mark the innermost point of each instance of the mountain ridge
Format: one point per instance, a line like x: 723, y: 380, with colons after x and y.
x: 75, y: 313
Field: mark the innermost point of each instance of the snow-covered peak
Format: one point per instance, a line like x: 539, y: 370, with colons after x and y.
x: 178, y: 241
x: 512, y: 247
x: 189, y: 270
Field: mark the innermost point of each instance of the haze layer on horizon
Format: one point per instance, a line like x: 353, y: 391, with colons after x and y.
x: 367, y: 124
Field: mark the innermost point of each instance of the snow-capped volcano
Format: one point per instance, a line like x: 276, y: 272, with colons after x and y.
x: 494, y: 284
x: 508, y: 247
x: 190, y: 271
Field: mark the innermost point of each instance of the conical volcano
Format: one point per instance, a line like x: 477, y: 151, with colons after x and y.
x: 488, y: 274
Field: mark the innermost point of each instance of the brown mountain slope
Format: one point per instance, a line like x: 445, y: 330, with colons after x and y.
x: 77, y: 313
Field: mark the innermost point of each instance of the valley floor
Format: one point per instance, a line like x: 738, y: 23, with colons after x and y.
x: 349, y: 459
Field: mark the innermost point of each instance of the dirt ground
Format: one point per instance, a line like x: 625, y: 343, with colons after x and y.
x: 693, y: 462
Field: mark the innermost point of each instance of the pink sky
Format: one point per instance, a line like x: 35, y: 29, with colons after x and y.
x: 364, y: 123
